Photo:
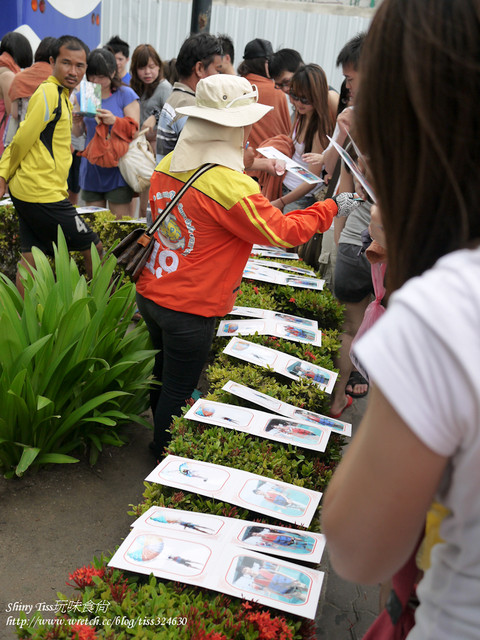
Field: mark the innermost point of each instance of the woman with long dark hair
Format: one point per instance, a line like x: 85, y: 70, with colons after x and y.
x: 418, y: 125
x: 312, y: 123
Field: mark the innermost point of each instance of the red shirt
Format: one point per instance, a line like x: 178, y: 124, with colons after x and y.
x: 200, y: 252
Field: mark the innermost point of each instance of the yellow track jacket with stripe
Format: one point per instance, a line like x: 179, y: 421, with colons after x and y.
x: 200, y: 251
x: 37, y: 161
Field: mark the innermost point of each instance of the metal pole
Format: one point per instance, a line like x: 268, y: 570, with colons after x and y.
x: 201, y: 13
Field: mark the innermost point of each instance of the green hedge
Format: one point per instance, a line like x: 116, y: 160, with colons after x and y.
x: 103, y: 222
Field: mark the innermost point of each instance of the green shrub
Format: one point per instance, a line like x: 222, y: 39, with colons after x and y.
x: 71, y: 371
x: 104, y: 223
x: 144, y: 607
x: 9, y: 241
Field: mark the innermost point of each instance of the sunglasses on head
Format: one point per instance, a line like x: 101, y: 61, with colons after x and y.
x: 295, y: 98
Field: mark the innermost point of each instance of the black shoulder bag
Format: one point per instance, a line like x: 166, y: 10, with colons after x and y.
x: 134, y: 251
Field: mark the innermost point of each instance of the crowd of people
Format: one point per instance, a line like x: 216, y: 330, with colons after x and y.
x: 414, y: 141
x: 147, y: 94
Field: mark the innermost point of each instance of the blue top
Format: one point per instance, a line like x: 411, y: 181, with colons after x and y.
x: 103, y: 179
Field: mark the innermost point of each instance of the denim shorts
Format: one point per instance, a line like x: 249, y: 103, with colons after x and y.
x: 120, y: 195
x: 353, y: 275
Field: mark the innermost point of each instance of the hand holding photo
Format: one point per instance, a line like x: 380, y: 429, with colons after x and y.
x: 290, y: 165
x: 354, y: 168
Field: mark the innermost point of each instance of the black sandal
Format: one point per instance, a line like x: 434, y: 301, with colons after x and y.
x: 354, y: 379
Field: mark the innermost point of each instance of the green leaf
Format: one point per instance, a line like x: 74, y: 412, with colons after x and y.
x: 55, y: 458
x: 28, y: 456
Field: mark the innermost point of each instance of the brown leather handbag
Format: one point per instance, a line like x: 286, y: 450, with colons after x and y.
x: 134, y: 250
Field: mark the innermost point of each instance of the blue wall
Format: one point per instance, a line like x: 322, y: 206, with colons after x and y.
x: 50, y: 22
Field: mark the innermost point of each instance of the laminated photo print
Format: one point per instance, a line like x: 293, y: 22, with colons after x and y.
x: 166, y: 554
x: 270, y: 539
x: 301, y: 369
x: 254, y: 271
x: 225, y: 568
x: 283, y: 267
x: 260, y: 423
x: 89, y: 98
x: 279, y: 584
x: 274, y: 498
x: 273, y: 252
x: 281, y: 363
x: 280, y: 329
x: 289, y: 410
x: 253, y: 312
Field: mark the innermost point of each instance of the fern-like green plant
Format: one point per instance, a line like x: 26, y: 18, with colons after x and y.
x: 71, y: 370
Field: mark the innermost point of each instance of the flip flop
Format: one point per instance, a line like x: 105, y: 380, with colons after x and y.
x: 356, y: 378
x: 335, y: 416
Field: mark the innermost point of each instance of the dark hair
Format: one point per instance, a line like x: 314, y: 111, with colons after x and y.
x: 284, y: 60
x: 310, y: 82
x: 201, y: 47
x: 254, y: 65
x: 140, y: 58
x: 18, y: 47
x: 44, y: 49
x: 117, y: 45
x: 70, y: 42
x: 350, y: 53
x: 170, y: 70
x: 344, y: 98
x: 101, y: 62
x: 227, y: 46
x: 420, y: 59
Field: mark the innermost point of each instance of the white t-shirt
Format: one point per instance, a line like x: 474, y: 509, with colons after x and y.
x: 424, y: 355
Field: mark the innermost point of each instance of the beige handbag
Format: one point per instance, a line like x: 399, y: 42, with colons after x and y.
x: 138, y: 164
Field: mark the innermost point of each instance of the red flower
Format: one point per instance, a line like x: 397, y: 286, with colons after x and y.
x: 269, y: 628
x: 256, y: 290
x: 177, y: 497
x: 83, y: 632
x: 292, y: 300
x: 83, y: 576
x: 311, y: 355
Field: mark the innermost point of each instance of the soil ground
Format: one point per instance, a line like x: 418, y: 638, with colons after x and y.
x: 58, y: 519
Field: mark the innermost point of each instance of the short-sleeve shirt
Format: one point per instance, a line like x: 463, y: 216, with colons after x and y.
x: 102, y: 179
x: 423, y: 354
x: 155, y: 101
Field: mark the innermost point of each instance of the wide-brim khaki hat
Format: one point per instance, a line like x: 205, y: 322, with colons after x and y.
x: 230, y: 101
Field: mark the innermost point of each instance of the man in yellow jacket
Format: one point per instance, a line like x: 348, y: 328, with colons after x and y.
x: 36, y: 163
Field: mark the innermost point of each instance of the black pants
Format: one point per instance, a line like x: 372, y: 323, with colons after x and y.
x: 184, y: 341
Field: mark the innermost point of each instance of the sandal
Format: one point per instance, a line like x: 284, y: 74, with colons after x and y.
x: 354, y: 379
x: 335, y: 416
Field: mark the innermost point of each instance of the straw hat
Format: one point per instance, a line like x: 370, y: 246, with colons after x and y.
x: 229, y: 101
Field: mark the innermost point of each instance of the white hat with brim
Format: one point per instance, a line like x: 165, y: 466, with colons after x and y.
x: 229, y: 101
